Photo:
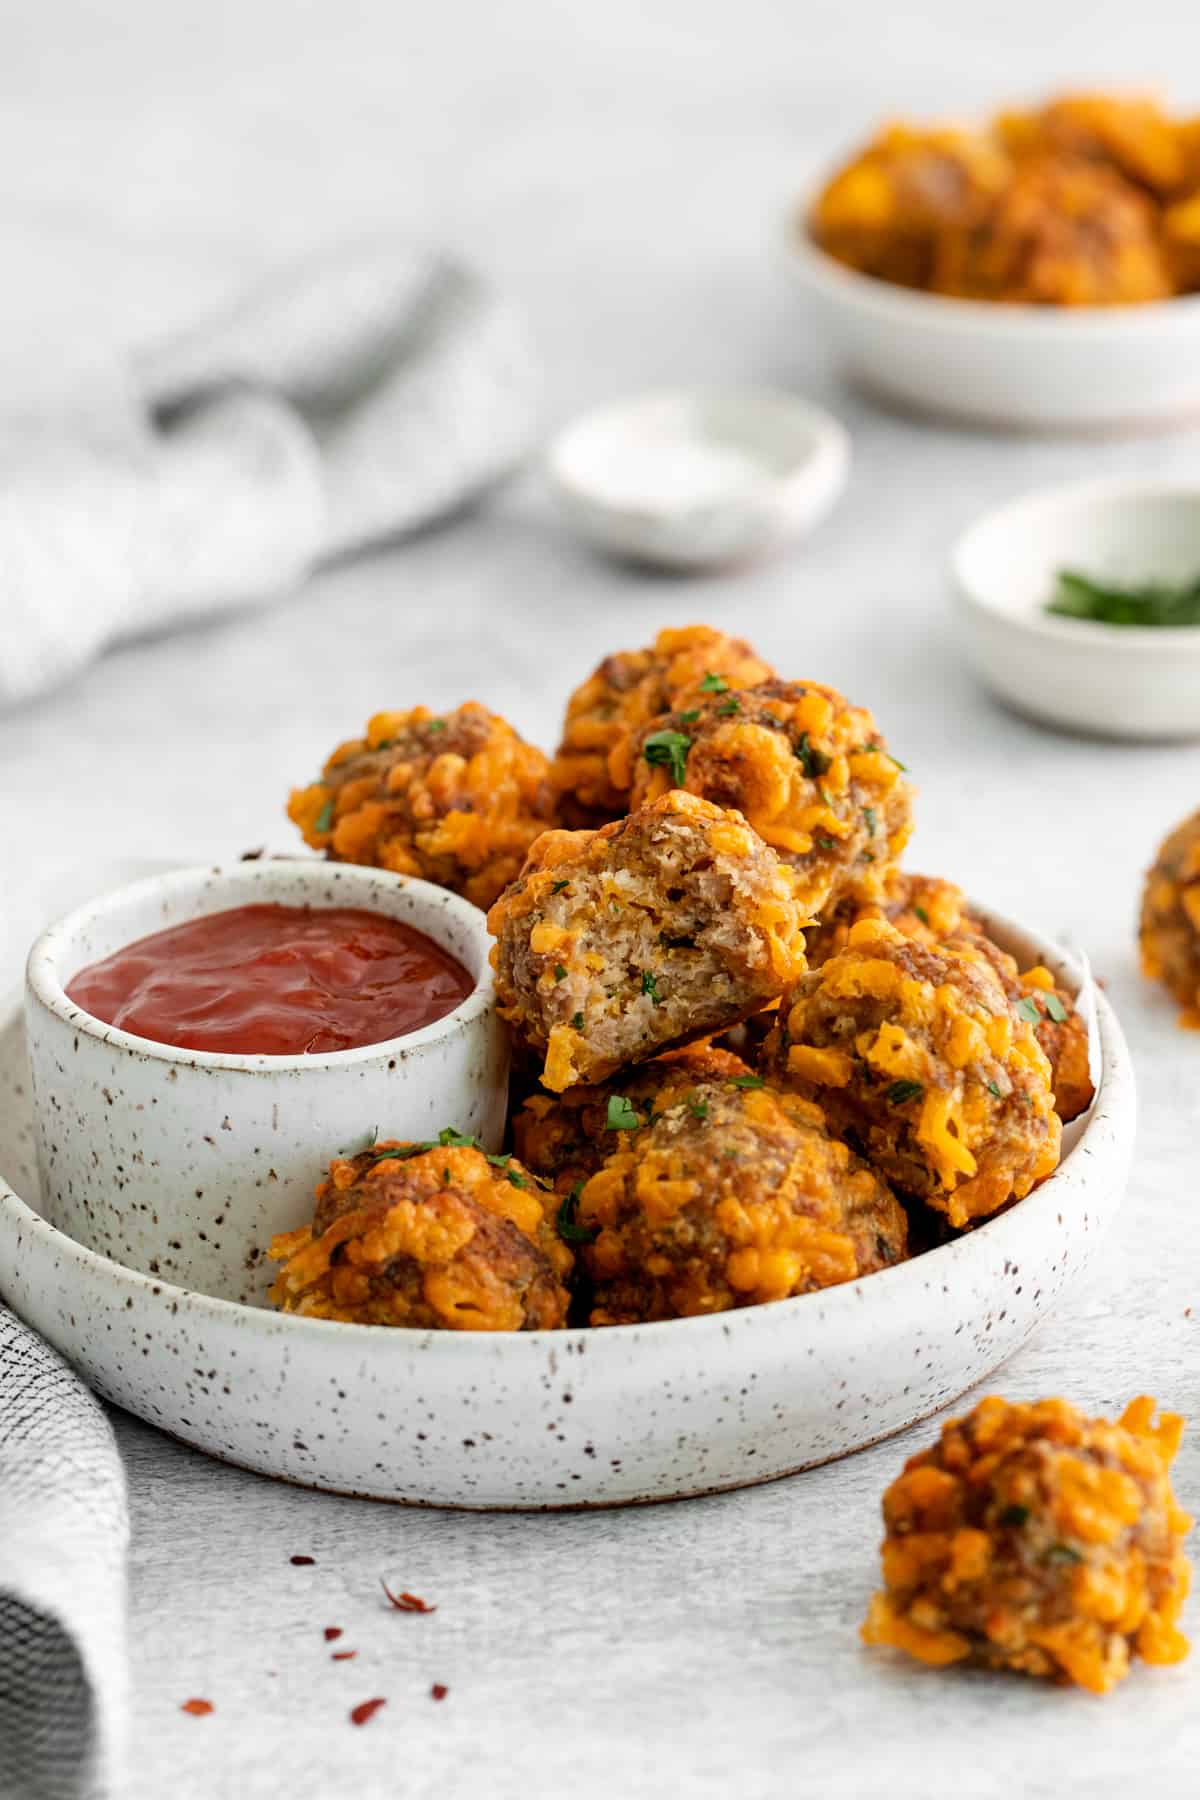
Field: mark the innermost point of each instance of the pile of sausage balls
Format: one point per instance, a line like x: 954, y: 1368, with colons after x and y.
x: 753, y: 1058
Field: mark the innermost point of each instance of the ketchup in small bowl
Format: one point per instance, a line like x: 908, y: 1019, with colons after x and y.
x: 275, y: 981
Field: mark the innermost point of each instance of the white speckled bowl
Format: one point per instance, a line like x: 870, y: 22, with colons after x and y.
x: 547, y: 1419
x: 183, y: 1163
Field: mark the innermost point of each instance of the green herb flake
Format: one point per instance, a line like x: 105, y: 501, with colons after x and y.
x: 1063, y: 1553
x: 921, y: 914
x: 713, y: 684
x: 689, y: 718
x: 1014, y: 1515
x: 560, y: 973
x: 993, y: 1089
x: 697, y: 1107
x: 728, y: 707
x: 324, y: 819
x: 746, y: 1081
x: 814, y: 761
x: 1056, y: 1009
x: 567, y: 1220
x: 872, y: 818
x: 650, y: 986
x: 1028, y: 1009
x: 458, y: 1140
x: 620, y: 1115
x: 435, y: 725
x: 901, y: 1092
x: 669, y: 748
x: 515, y: 1178
x: 556, y: 887
x: 577, y: 1021
x: 828, y: 843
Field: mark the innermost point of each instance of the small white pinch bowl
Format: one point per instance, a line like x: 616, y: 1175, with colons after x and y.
x: 1116, y: 681
x: 1024, y: 368
x: 184, y: 1163
x: 698, y: 478
x: 579, y: 1417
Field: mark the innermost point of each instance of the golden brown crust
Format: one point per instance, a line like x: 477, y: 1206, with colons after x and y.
x: 1035, y: 1539
x: 456, y: 798
x: 441, y: 1237
x: 921, y: 1061
x: 1169, y: 934
x: 656, y: 930
x: 730, y: 1196
x: 810, y: 772
x: 591, y: 769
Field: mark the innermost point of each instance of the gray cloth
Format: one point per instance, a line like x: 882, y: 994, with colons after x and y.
x: 347, y: 401
x: 64, y: 1531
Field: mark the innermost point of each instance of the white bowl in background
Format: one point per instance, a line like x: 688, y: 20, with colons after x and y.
x: 1030, y: 368
x: 1121, y: 681
x: 575, y: 1417
x: 184, y: 1163
x: 696, y: 478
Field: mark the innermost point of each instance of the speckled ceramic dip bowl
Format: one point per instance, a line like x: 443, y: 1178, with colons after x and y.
x: 183, y: 1163
x: 562, y: 1418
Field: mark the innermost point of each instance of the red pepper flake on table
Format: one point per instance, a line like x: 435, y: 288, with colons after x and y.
x: 365, y: 1710
x: 343, y: 1656
x: 198, y: 1709
x: 405, y: 1602
x: 302, y: 1562
x: 332, y: 1633
x: 438, y: 1691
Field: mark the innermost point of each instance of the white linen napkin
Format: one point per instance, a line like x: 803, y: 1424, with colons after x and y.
x: 64, y: 1531
x: 349, y: 400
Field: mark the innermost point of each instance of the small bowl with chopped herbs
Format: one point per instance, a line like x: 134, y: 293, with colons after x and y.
x: 1080, y: 607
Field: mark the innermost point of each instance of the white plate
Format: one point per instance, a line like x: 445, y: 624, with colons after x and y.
x: 1119, y: 681
x: 1032, y: 368
x: 552, y: 1419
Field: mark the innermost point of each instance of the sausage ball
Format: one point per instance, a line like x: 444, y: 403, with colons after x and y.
x: 1066, y: 232
x: 1170, y: 927
x: 1033, y: 1538
x: 732, y: 1195
x: 565, y: 1137
x: 456, y: 798
x: 662, y: 927
x: 592, y: 771
x: 1130, y: 132
x: 438, y: 1235
x: 934, y: 912
x: 920, y: 1060
x: 885, y: 211
x: 810, y: 772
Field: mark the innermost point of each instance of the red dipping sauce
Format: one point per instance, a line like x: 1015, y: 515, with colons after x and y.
x: 275, y: 981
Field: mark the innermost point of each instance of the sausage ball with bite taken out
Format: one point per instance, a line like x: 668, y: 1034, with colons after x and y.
x: 1033, y: 1538
x: 730, y: 1195
x: 438, y: 1235
x: 922, y: 1063
x: 1170, y: 926
x: 456, y: 798
x: 661, y: 928
x: 592, y: 771
x: 808, y: 770
x: 564, y: 1138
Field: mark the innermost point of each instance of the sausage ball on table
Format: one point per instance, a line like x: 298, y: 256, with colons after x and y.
x: 1170, y: 927
x: 920, y: 1060
x: 662, y: 927
x: 1033, y: 1538
x: 592, y: 771
x: 731, y: 1195
x: 565, y: 1137
x: 455, y: 797
x: 436, y: 1235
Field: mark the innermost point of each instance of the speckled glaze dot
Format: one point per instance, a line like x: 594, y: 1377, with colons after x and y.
x: 571, y: 1418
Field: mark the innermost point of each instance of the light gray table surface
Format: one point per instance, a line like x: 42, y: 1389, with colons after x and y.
x: 621, y: 170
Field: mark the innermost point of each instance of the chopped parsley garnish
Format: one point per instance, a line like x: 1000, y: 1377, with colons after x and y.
x: 577, y: 1021
x: 1014, y: 1515
x: 689, y: 718
x: 324, y: 818
x: 1056, y: 1009
x: 650, y: 986
x: 560, y: 973
x: 728, y: 707
x: 620, y: 1115
x: 556, y: 887
x: 435, y: 725
x: 458, y: 1140
x: 1063, y: 1553
x: 870, y: 815
x: 993, y: 1089
x: 567, y: 1220
x: 814, y: 761
x: 697, y: 1108
x: 713, y: 684
x: 669, y: 747
x: 746, y: 1081
x: 828, y: 843
x: 826, y: 796
x: 1028, y: 1009
x: 921, y: 914
x: 1168, y: 603
x: 901, y: 1092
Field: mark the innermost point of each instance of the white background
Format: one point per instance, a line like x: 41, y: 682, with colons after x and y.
x: 622, y: 170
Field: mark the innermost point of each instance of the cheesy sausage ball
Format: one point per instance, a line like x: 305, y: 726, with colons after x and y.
x: 923, y: 907
x: 593, y: 770
x: 730, y: 1196
x: 1033, y: 1538
x: 435, y: 1235
x: 564, y: 1138
x: 1170, y: 926
x: 456, y: 798
x: 810, y: 772
x: 658, y: 929
x: 920, y: 1060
